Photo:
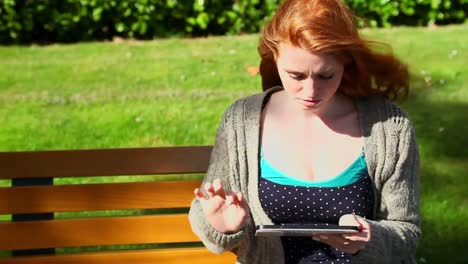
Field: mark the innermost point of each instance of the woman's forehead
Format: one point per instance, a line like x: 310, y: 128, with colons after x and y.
x: 290, y: 56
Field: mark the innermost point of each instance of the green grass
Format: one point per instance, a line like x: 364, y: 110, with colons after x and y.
x: 103, y: 95
x: 173, y: 92
x: 439, y: 107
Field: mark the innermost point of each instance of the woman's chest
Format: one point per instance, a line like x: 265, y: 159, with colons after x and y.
x: 310, y: 154
x: 311, y: 148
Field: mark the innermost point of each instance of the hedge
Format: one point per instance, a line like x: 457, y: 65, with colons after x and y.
x: 46, y: 21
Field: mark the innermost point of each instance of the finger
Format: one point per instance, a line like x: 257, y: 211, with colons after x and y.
x: 363, y: 237
x: 345, y: 246
x: 235, y: 198
x: 229, y: 199
x: 239, y: 197
x: 365, y: 227
x: 357, y: 219
x: 199, y: 194
x: 349, y: 247
x: 240, y: 200
x: 209, y: 189
x: 218, y: 188
x: 334, y: 239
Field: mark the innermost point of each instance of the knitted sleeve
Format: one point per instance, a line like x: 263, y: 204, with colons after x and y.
x: 219, y: 168
x: 395, y: 233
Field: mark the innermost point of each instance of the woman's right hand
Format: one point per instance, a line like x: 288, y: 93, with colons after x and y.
x: 227, y: 212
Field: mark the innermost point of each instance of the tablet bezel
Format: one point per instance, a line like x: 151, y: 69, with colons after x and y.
x: 304, y: 230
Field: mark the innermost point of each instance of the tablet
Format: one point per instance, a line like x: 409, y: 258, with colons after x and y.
x: 303, y: 230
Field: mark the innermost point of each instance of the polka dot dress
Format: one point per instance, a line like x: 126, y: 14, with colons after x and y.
x: 300, y: 204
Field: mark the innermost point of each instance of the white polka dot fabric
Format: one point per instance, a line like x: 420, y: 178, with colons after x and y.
x: 300, y: 204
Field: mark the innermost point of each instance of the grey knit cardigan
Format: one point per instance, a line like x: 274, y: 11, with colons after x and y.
x: 393, y: 164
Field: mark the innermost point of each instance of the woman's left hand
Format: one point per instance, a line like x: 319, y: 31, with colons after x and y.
x: 348, y: 243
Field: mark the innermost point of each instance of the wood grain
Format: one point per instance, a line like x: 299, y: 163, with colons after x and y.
x: 103, y: 162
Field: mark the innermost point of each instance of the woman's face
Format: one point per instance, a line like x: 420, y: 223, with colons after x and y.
x: 310, y: 79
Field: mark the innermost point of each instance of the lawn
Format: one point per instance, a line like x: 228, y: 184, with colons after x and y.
x: 173, y: 92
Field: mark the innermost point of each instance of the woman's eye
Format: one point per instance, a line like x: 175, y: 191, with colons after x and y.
x: 297, y: 77
x: 325, y: 76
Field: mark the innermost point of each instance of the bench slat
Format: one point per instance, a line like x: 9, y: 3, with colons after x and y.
x: 91, y: 197
x: 103, y: 162
x: 96, y: 231
x: 158, y: 256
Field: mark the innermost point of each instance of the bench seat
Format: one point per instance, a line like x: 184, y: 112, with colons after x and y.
x: 41, y: 217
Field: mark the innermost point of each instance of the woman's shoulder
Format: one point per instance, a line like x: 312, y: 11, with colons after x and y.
x: 378, y: 109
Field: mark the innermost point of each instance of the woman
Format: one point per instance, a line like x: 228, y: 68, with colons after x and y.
x: 324, y: 146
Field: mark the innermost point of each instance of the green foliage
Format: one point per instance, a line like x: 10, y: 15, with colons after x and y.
x: 74, y: 20
x: 78, y: 20
x: 44, y: 21
x: 385, y: 13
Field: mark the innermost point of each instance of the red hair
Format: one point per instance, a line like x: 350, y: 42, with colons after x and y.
x: 330, y: 26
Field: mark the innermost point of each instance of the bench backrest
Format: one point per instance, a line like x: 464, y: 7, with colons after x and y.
x: 168, y: 227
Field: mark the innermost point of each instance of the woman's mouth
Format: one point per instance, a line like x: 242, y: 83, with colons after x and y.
x: 311, y: 102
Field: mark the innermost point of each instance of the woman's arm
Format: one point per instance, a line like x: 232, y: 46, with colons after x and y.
x: 395, y: 233
x: 219, y: 168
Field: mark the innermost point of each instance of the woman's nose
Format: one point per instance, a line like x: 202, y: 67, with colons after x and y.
x: 309, y: 85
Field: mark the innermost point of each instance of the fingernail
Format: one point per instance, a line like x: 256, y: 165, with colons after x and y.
x: 316, y: 239
x: 323, y: 237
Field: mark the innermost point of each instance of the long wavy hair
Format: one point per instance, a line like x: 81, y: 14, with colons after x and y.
x: 330, y: 26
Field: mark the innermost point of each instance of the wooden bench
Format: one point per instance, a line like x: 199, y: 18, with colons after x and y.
x: 168, y: 233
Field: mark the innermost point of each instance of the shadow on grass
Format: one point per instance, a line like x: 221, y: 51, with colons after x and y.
x: 441, y: 129
x: 437, y: 248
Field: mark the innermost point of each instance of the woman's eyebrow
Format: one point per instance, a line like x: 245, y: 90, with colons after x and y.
x: 319, y: 71
x: 294, y: 72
